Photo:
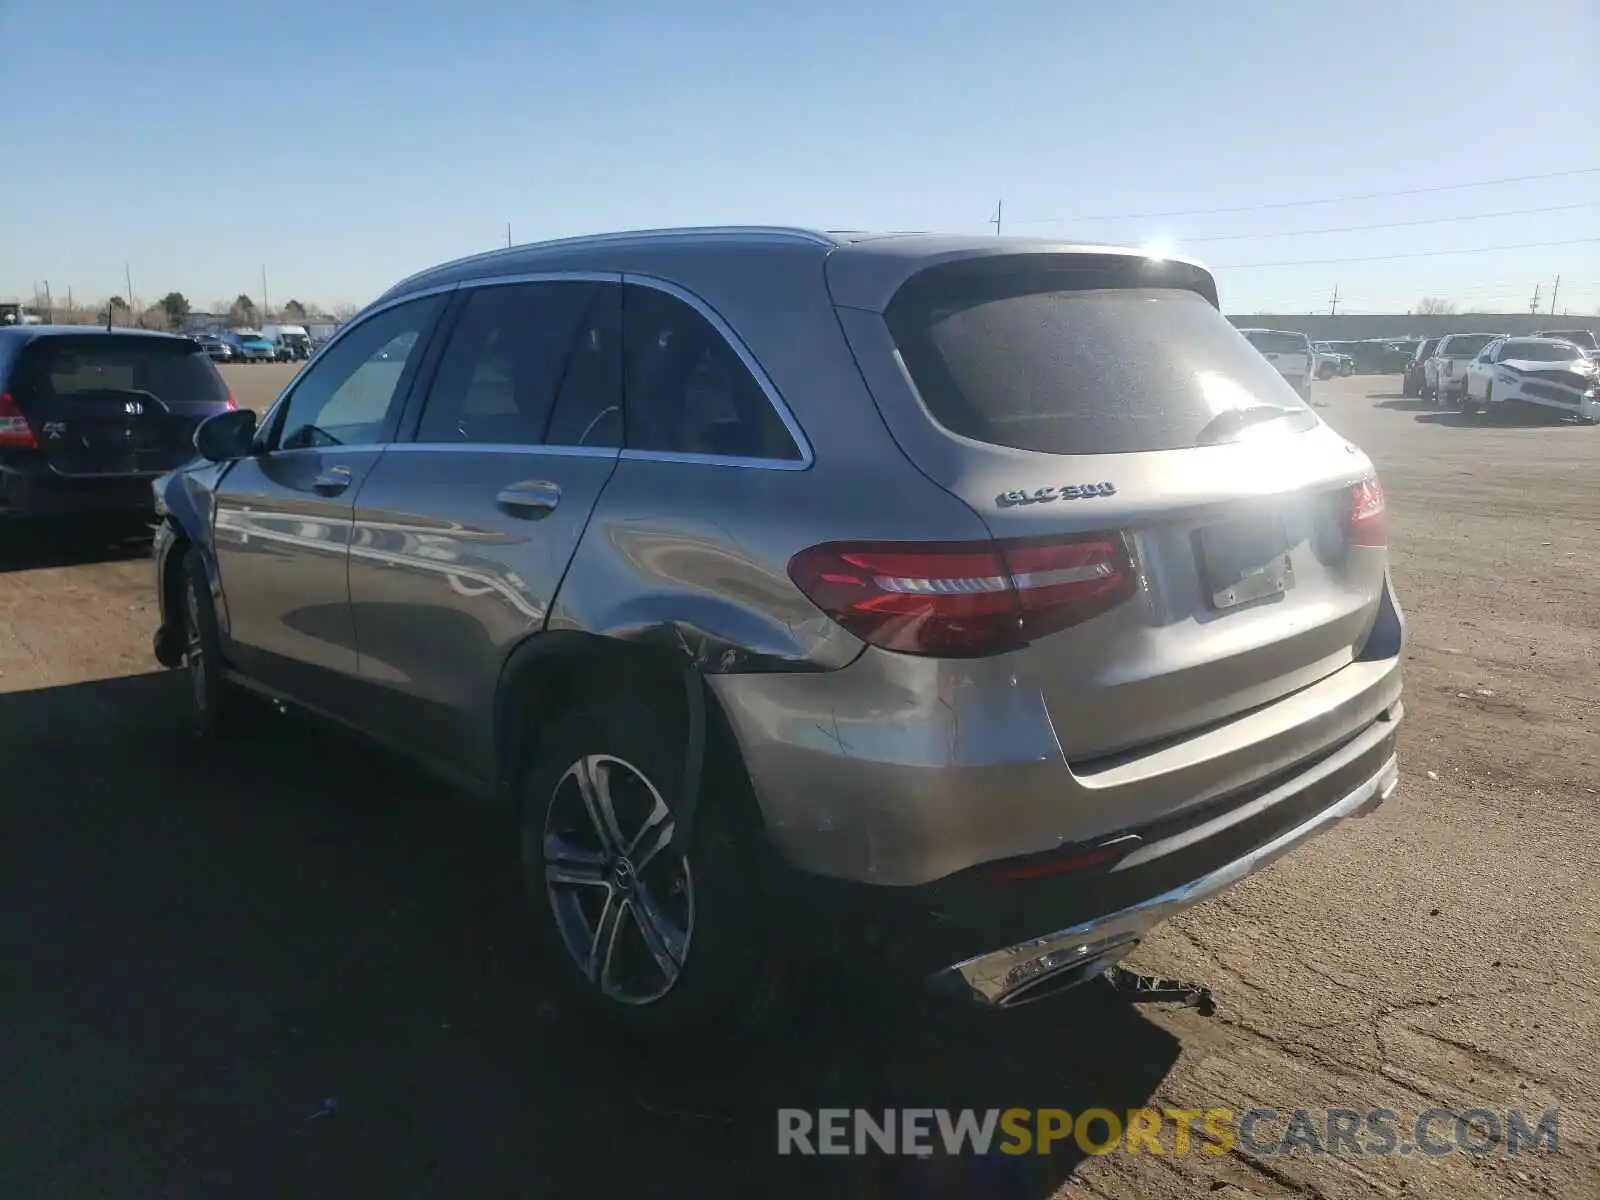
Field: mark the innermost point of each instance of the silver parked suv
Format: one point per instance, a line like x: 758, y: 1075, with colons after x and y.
x: 990, y: 599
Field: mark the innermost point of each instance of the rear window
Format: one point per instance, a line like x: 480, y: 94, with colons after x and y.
x: 1057, y: 361
x: 1277, y: 343
x: 174, y: 371
x: 1465, y: 346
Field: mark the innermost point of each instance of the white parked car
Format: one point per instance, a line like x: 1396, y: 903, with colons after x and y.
x: 1290, y: 352
x: 1549, y: 372
x: 1444, y: 376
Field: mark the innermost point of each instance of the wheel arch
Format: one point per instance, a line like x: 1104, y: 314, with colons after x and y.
x: 553, y: 673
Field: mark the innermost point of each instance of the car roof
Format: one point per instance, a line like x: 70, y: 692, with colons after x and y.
x: 1543, y: 339
x: 864, y: 269
x: 27, y: 333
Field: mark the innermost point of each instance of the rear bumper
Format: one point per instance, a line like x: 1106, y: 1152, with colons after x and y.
x: 1043, y: 965
x: 42, y: 493
x: 1000, y: 942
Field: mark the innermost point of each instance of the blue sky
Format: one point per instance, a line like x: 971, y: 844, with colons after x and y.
x: 345, y: 143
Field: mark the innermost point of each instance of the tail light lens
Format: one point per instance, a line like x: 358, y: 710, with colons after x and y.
x: 1364, y: 521
x: 232, y: 403
x: 14, y: 427
x: 964, y: 599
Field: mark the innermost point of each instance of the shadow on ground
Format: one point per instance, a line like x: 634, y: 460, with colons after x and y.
x: 297, y: 968
x: 1500, y: 417
x: 31, y: 545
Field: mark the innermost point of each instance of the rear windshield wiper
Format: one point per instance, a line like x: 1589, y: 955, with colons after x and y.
x: 1230, y: 421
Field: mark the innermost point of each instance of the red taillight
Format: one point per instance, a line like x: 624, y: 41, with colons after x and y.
x: 232, y: 403
x: 964, y: 599
x: 14, y: 427
x: 1365, y: 519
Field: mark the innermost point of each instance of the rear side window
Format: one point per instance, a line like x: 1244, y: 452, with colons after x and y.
x: 1055, y: 361
x: 1277, y: 343
x: 175, y: 372
x: 529, y: 364
x: 687, y: 390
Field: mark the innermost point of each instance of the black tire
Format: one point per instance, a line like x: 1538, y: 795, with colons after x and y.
x: 704, y: 906
x: 210, y: 699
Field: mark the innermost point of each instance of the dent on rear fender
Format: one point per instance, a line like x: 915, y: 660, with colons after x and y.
x: 702, y: 595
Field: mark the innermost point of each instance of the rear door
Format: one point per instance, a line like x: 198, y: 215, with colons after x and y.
x: 105, y: 404
x: 464, y: 529
x: 1061, y: 401
x: 283, y: 516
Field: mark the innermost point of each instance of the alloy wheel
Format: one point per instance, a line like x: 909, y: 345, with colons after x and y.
x: 623, y: 901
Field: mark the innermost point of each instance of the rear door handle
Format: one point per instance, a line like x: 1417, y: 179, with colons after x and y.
x: 530, y: 499
x: 332, y: 481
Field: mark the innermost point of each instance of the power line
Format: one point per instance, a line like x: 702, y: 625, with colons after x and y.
x: 1203, y: 212
x: 1330, y: 262
x: 1514, y: 212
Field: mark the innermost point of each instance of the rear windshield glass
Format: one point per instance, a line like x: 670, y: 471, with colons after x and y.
x: 1537, y: 352
x: 1465, y: 346
x: 1034, y: 360
x: 174, y: 371
x: 1277, y: 343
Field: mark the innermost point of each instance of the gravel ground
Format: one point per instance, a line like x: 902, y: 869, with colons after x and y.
x: 297, y: 969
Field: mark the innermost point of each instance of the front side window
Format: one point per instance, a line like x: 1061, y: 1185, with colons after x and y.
x: 687, y: 391
x: 352, y: 395
x: 529, y: 364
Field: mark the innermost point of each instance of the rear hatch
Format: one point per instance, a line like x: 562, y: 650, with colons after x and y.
x: 116, y: 404
x: 1062, y: 396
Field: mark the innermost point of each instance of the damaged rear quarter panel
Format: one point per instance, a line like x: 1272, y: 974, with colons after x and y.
x: 696, y: 556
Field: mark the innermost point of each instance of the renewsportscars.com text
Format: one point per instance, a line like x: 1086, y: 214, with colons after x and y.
x: 1346, y: 1131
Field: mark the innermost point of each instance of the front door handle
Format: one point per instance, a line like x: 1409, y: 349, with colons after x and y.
x: 332, y: 481
x: 530, y: 499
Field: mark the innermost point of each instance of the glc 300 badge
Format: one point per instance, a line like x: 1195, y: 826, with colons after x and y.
x: 1046, y: 495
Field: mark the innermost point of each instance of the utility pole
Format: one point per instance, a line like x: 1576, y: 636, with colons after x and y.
x: 266, y: 309
x: 1533, y: 305
x: 508, y: 235
x: 127, y: 274
x: 49, y: 307
x: 999, y: 211
x: 1553, y: 293
x: 1333, y: 304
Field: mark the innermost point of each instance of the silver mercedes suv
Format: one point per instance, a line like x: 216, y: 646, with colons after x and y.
x: 988, y: 599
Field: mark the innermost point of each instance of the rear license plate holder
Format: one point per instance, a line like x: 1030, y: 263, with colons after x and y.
x: 1244, y: 560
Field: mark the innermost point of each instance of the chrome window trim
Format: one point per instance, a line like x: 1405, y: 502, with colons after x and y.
x: 539, y: 277
x: 796, y: 433
x: 345, y: 330
x: 507, y: 448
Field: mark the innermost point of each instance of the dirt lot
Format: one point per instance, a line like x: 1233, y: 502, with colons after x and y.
x: 298, y: 970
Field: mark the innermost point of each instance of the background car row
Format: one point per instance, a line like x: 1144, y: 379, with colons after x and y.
x: 274, y: 343
x: 1472, y: 371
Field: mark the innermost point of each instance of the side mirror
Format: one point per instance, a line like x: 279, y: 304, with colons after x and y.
x: 226, y: 436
